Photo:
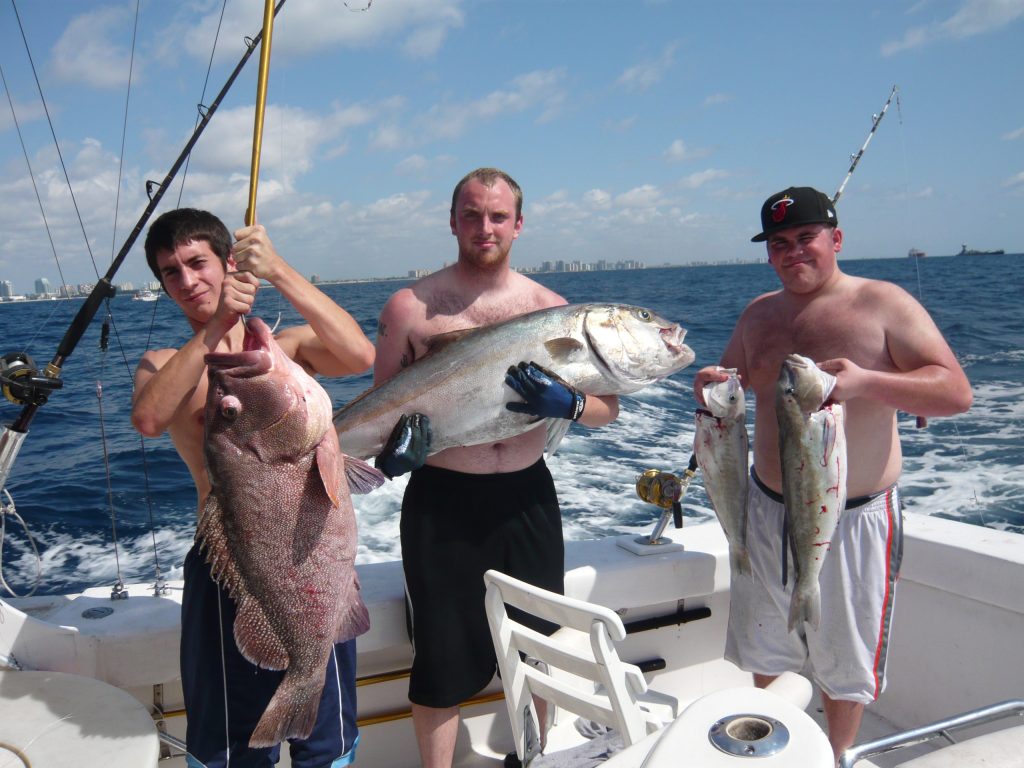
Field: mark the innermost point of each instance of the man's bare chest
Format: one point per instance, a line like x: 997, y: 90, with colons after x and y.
x: 820, y: 335
x: 438, y: 326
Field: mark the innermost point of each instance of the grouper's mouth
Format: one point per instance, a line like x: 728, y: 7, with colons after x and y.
x: 254, y: 358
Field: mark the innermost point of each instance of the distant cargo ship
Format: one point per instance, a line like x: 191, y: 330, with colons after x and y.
x: 916, y: 253
x: 965, y: 251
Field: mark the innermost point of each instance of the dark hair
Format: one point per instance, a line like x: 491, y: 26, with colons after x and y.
x: 487, y: 177
x: 182, y: 225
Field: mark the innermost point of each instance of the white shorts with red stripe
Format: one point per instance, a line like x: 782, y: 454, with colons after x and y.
x: 846, y: 655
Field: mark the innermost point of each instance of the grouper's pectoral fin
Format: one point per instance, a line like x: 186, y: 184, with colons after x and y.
x: 329, y: 466
x: 362, y: 477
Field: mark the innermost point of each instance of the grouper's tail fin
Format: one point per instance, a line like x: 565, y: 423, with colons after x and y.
x: 291, y: 712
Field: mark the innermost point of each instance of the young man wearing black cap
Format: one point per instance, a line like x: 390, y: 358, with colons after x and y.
x: 887, y: 355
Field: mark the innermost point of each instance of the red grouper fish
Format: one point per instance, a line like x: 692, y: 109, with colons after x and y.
x: 278, y: 527
x: 812, y: 447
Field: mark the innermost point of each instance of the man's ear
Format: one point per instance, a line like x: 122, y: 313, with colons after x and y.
x: 519, y: 228
x: 230, y: 263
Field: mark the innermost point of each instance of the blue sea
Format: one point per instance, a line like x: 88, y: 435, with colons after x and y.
x: 101, y: 503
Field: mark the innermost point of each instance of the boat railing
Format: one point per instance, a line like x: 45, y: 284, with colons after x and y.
x: 939, y: 729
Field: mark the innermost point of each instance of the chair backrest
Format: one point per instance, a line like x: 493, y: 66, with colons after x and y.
x: 610, y: 698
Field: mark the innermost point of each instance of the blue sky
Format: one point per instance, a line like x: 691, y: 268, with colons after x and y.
x: 638, y: 130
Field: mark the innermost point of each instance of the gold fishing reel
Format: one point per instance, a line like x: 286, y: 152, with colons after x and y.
x: 662, y: 489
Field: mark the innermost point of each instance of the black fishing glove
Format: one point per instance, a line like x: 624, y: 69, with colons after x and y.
x: 545, y: 393
x: 408, y: 446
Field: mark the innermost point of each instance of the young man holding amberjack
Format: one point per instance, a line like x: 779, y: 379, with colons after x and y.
x: 473, y: 507
x: 886, y: 355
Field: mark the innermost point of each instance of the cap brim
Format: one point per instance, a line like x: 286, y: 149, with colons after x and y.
x: 759, y: 238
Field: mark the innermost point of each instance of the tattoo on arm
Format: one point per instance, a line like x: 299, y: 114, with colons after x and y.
x: 382, y: 328
x: 406, y: 362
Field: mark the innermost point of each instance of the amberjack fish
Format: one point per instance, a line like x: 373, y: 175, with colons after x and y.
x: 278, y: 528
x: 720, y: 443
x: 812, y: 447
x: 601, y: 349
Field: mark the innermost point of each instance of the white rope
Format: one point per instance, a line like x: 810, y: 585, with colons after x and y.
x: 6, y: 509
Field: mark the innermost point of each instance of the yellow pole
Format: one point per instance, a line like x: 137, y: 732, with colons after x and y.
x: 261, y: 103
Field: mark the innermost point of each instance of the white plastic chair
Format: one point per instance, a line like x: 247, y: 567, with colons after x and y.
x: 577, y: 668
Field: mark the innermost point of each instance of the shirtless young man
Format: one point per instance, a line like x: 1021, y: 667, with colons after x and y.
x: 887, y: 355
x: 473, y: 508
x: 191, y: 253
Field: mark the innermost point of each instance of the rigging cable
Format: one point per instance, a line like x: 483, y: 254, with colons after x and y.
x: 920, y: 298
x: 56, y: 144
x: 31, y: 174
x: 34, y: 391
x: 201, y: 106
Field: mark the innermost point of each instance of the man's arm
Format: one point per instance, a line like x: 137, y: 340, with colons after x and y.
x: 394, y: 343
x: 929, y: 380
x: 332, y: 344
x: 165, y: 379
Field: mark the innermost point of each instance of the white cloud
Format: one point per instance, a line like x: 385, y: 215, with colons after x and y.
x: 1013, y: 135
x: 598, y: 199
x: 700, y: 178
x: 975, y: 17
x: 717, y: 98
x: 227, y: 142
x: 677, y: 151
x: 1015, y: 182
x: 306, y: 27
x: 646, y: 74
x: 94, y: 50
x: 539, y: 91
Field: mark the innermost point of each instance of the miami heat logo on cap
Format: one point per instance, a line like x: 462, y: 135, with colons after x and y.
x: 779, y: 208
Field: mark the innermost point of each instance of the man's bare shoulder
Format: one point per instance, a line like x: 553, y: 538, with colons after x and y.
x: 536, y: 296
x: 154, y: 359
x: 765, y: 305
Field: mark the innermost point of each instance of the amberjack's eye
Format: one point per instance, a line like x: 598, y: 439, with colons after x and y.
x: 643, y: 314
x: 230, y: 407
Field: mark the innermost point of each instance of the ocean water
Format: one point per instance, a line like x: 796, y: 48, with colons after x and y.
x: 101, y: 503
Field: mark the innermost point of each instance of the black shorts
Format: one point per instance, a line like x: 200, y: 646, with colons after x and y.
x: 456, y: 526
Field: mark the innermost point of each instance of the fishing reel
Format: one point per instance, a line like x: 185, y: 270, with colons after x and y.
x: 21, y: 382
x: 664, y: 489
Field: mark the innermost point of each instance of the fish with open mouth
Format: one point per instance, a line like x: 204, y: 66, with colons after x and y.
x: 721, y: 444
x: 812, y: 448
x: 601, y: 349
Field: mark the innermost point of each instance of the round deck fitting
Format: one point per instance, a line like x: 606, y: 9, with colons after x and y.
x: 749, y: 735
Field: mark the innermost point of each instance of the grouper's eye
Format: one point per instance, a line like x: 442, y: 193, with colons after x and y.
x: 644, y: 315
x: 230, y: 407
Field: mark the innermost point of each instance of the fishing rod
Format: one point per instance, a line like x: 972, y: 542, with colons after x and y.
x: 855, y: 158
x: 19, y: 378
